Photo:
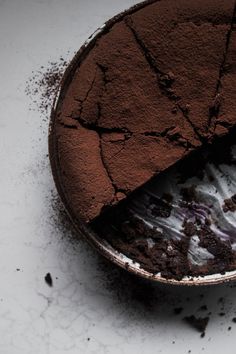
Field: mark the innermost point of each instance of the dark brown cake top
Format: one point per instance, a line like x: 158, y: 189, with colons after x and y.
x: 156, y: 85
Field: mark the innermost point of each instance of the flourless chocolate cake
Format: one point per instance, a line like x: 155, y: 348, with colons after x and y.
x: 154, y: 86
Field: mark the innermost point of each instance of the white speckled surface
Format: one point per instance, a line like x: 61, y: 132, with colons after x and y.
x: 90, y: 298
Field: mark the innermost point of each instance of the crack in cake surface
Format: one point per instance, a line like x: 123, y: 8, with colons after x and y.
x: 164, y: 80
x: 215, y: 109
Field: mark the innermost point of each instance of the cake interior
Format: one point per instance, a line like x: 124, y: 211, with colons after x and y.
x: 182, y: 222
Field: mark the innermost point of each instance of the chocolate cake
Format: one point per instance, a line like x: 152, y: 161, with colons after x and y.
x: 156, y: 84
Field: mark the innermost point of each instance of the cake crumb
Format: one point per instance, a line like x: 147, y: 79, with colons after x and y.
x: 48, y: 279
x: 178, y: 310
x: 199, y: 324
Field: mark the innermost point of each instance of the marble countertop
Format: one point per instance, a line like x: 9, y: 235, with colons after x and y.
x: 92, y: 307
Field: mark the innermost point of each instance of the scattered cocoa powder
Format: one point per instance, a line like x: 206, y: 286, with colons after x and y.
x: 43, y: 85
